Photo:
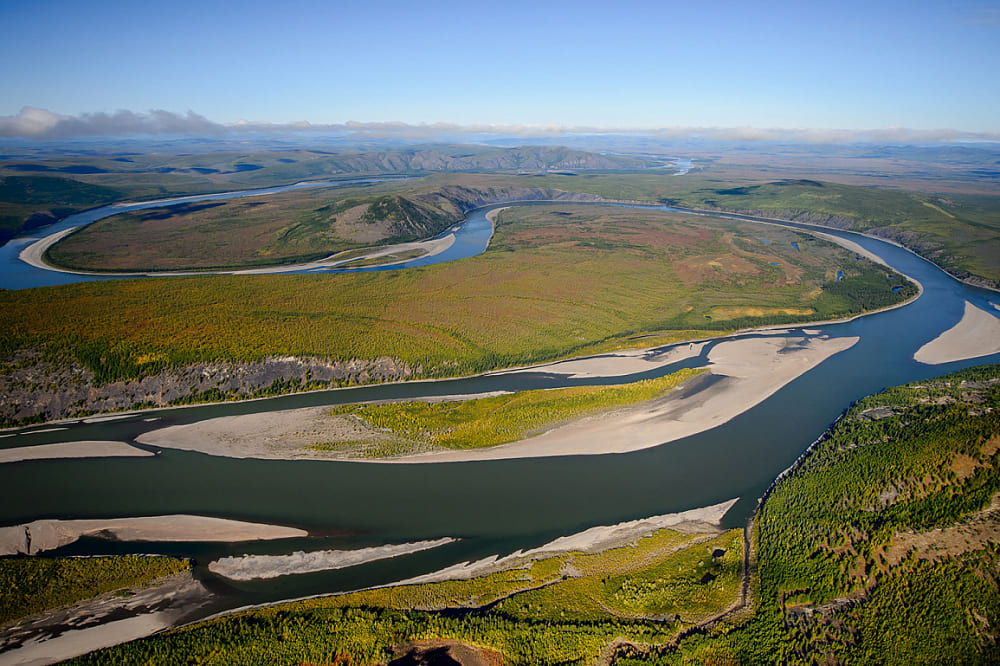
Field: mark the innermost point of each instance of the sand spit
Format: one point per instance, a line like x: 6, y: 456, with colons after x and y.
x: 86, y: 449
x: 742, y: 373
x: 977, y: 334
x: 251, y: 567
x: 852, y: 246
x: 605, y: 537
x: 42, y: 535
x: 103, y: 621
x: 428, y: 248
x: 594, y: 540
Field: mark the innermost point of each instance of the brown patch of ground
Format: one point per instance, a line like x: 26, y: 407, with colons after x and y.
x: 971, y: 534
x: 443, y: 652
x: 349, y: 226
x: 698, y: 270
x: 964, y: 466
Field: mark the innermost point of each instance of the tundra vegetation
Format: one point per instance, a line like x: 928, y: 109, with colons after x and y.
x: 880, y: 546
x: 556, y: 281
x: 38, y: 189
x: 959, y: 232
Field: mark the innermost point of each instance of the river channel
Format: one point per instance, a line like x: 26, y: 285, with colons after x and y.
x: 492, y: 507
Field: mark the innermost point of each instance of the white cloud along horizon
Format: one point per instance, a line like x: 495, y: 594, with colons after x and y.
x: 42, y: 124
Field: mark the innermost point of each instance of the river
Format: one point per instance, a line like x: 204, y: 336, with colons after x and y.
x: 491, y: 507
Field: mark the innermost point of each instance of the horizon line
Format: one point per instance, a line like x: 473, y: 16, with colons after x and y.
x: 42, y: 124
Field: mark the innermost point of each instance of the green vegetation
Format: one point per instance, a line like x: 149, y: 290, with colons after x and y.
x: 535, y: 611
x: 680, y: 579
x: 959, y: 233
x: 485, y: 422
x: 30, y: 585
x: 881, y: 546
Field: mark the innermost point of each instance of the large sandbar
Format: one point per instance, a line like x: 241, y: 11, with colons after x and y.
x: 741, y: 373
x: 87, y: 449
x: 42, y: 535
x: 977, y: 334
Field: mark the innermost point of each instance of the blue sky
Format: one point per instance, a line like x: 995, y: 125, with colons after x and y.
x: 915, y: 64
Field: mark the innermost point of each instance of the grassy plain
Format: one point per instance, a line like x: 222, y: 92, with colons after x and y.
x: 492, y: 421
x: 555, y: 281
x: 30, y: 585
x: 562, y: 609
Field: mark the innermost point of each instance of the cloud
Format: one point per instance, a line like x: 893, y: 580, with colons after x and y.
x: 37, y: 123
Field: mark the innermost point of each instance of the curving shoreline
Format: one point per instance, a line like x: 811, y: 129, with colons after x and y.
x: 744, y: 373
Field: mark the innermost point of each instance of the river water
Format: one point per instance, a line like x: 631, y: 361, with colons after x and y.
x: 493, y: 507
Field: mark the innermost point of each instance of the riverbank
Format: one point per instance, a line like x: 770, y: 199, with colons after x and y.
x: 109, y: 619
x: 741, y: 374
x: 591, y: 541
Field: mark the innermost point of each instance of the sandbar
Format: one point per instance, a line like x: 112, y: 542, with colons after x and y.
x: 43, y: 535
x: 742, y: 372
x: 594, y: 540
x: 852, y: 246
x: 977, y: 334
x: 253, y: 567
x: 288, y: 434
x: 84, y: 449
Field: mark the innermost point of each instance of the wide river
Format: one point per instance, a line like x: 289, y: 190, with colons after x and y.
x: 492, y: 507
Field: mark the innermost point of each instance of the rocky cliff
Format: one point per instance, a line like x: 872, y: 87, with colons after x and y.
x: 33, y: 388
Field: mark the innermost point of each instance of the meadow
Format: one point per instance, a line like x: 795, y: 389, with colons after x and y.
x: 958, y: 231
x: 283, y: 228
